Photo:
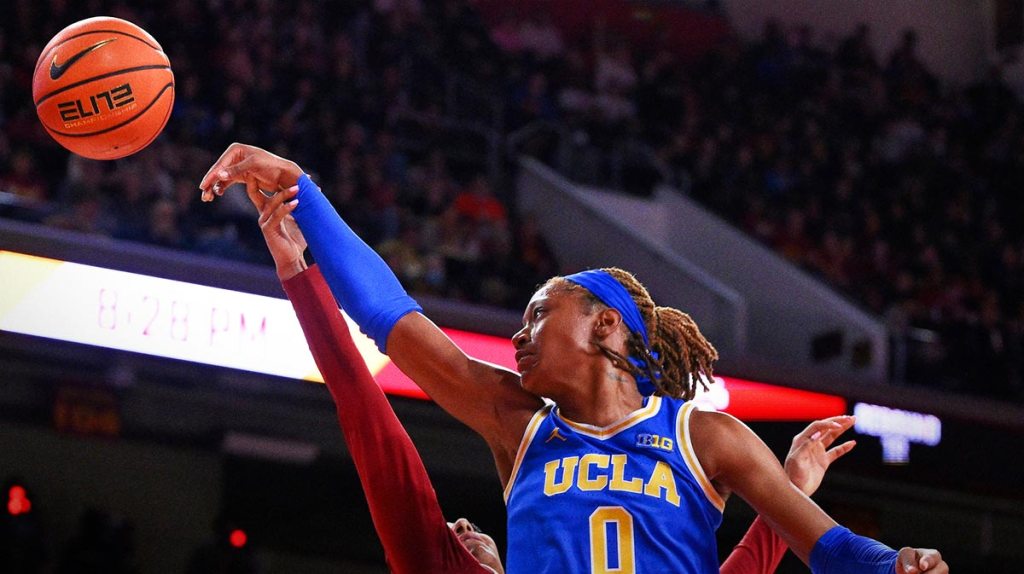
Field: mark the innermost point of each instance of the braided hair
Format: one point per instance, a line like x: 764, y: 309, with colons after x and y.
x: 685, y: 357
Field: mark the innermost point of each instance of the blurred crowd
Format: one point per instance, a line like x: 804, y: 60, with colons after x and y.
x: 897, y: 189
x: 349, y: 90
x: 865, y: 169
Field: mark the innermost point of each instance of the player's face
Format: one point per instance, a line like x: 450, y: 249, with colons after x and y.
x: 556, y: 337
x: 480, y: 545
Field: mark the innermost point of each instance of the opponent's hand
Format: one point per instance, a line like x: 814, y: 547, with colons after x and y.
x: 809, y: 457
x: 921, y: 561
x: 255, y: 167
x: 280, y: 231
x: 480, y: 545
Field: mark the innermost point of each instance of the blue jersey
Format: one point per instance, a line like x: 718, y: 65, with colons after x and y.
x: 627, y: 498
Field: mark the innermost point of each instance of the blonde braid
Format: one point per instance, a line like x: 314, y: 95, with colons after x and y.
x: 686, y: 356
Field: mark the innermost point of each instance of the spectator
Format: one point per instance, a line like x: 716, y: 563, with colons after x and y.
x: 22, y: 179
x: 531, y: 101
x: 163, y: 227
x: 477, y: 203
x: 540, y: 37
x: 88, y: 212
x: 506, y: 34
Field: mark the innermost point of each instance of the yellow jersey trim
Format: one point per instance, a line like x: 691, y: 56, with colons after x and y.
x: 690, y: 456
x: 528, y: 434
x: 631, y: 419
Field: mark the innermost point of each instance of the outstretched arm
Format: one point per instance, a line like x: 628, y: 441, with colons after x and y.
x: 487, y: 398
x: 761, y: 549
x: 402, y: 502
x: 737, y: 461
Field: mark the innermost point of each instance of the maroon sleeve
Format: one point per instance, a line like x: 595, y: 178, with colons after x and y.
x: 759, y: 552
x: 402, y: 501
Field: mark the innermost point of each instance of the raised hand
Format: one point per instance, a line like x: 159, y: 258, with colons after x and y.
x: 809, y: 456
x: 255, y: 167
x: 921, y: 561
x: 280, y: 231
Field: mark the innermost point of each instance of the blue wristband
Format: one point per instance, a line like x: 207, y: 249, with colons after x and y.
x: 840, y: 551
x: 360, y: 280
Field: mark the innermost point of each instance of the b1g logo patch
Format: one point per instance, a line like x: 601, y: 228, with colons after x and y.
x: 654, y: 441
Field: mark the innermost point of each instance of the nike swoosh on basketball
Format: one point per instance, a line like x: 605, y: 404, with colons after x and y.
x: 57, y: 70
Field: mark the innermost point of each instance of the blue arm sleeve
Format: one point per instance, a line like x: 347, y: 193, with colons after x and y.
x: 359, y: 279
x: 840, y: 551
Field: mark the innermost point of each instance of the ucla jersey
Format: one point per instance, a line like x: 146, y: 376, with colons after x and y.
x: 627, y: 498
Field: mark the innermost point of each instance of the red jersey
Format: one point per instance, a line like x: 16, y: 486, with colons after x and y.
x: 402, y: 501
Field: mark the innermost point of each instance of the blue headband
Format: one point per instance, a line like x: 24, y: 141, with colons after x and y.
x: 609, y: 291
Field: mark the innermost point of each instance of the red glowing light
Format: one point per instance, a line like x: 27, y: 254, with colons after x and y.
x: 746, y: 400
x: 17, y: 501
x: 238, y: 538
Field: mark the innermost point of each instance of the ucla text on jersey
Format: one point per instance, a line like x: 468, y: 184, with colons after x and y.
x: 627, y: 498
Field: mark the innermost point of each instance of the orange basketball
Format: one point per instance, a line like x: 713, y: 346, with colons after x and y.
x: 103, y: 88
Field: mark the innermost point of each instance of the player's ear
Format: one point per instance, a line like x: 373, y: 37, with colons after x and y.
x: 606, y: 322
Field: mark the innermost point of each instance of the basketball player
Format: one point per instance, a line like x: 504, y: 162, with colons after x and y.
x: 346, y: 376
x: 621, y: 473
x: 411, y: 535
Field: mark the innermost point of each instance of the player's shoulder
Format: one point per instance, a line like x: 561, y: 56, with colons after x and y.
x: 714, y: 431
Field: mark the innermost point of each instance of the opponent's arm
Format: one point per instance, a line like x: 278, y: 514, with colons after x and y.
x: 483, y: 396
x: 402, y: 503
x: 736, y: 460
x: 758, y: 552
x: 401, y: 499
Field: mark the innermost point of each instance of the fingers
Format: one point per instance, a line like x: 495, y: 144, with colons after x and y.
x: 825, y: 430
x: 234, y: 153
x: 236, y: 165
x: 906, y: 561
x: 252, y: 189
x: 836, y: 452
x: 920, y: 561
x: 818, y: 427
x: 237, y: 172
x: 930, y: 561
x: 275, y: 210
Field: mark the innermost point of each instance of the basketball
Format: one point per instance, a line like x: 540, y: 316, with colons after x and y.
x: 103, y: 88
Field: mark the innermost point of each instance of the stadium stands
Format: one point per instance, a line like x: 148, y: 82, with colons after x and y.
x: 894, y: 188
